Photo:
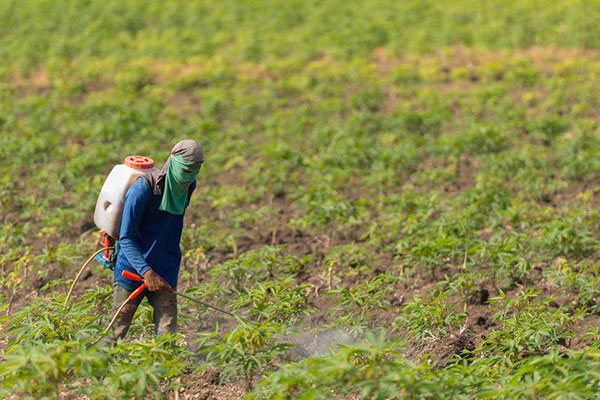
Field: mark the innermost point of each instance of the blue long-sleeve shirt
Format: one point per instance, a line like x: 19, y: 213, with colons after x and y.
x: 149, y: 238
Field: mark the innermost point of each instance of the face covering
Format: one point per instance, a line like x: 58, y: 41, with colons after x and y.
x: 180, y: 174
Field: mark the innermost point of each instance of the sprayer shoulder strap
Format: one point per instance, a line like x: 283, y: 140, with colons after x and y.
x: 148, y: 181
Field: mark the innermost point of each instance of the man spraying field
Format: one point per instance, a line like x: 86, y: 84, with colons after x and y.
x: 149, y: 237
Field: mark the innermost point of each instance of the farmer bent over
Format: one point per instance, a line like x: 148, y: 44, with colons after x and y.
x: 149, y: 237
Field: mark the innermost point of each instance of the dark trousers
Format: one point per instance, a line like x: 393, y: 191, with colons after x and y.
x: 164, y: 305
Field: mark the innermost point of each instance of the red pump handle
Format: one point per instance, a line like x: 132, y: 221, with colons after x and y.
x: 136, y: 278
x: 137, y: 292
x: 131, y: 275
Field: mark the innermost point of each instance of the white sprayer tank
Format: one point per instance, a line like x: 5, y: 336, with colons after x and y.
x: 109, y: 207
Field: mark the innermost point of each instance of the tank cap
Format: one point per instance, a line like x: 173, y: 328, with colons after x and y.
x: 139, y: 162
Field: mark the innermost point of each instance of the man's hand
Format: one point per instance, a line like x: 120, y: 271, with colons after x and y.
x: 155, y: 283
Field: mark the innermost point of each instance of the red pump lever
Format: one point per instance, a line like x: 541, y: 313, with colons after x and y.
x: 131, y: 275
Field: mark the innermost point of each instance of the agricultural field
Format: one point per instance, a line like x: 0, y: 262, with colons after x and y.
x: 401, y: 198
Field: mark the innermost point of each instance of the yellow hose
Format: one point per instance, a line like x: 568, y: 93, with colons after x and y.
x: 81, y: 271
x: 112, y: 321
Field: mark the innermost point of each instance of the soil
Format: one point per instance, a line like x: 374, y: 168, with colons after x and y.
x: 205, y: 386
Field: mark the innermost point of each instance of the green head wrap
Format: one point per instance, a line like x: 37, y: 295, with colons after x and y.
x: 181, y: 172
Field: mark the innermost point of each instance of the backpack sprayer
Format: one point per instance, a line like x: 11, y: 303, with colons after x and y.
x: 107, y: 217
x: 109, y: 210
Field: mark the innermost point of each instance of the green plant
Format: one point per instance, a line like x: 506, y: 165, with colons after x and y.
x: 430, y: 317
x: 282, y: 301
x: 356, y: 304
x: 247, y: 350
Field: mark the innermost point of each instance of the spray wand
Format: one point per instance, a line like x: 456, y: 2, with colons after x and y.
x: 138, y: 278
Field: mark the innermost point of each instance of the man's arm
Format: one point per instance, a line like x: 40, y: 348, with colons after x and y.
x: 136, y: 201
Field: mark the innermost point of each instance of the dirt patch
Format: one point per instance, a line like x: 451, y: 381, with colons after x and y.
x: 37, y: 82
x: 206, y: 386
